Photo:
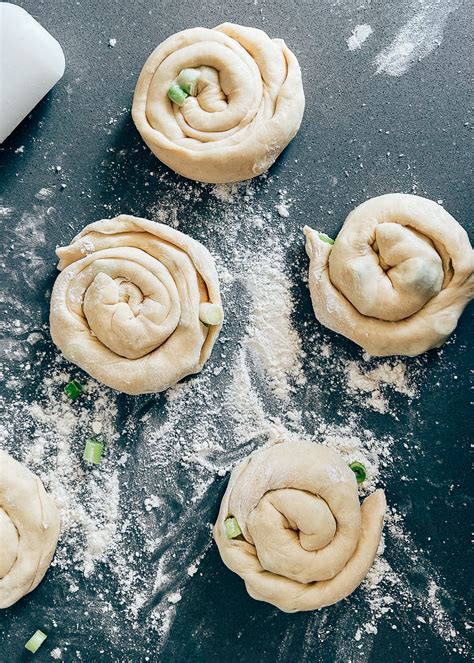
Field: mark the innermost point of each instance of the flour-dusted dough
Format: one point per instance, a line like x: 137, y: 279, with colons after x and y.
x: 129, y: 303
x: 249, y: 105
x: 306, y: 542
x: 397, y: 278
x: 29, y: 530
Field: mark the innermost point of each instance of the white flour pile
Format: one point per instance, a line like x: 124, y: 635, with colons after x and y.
x: 136, y: 528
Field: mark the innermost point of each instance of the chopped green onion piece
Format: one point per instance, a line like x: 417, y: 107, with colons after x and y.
x: 232, y: 528
x: 210, y: 314
x: 177, y: 94
x: 359, y: 470
x: 73, y: 389
x: 35, y: 642
x: 325, y: 238
x: 188, y: 80
x: 93, y: 450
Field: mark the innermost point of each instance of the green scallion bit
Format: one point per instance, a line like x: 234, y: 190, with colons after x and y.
x: 177, y: 94
x: 210, y: 314
x: 93, y: 450
x: 359, y: 470
x: 232, y: 528
x: 35, y: 642
x: 73, y: 389
x: 325, y: 238
x: 188, y: 80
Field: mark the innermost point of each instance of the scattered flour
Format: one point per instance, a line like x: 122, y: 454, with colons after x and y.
x: 359, y: 35
x: 175, y: 597
x: 419, y: 37
x: 389, y: 591
x: 271, y: 335
x: 88, y: 500
x: 284, y: 203
x: 283, y: 210
x: 372, y: 381
x: 136, y: 529
x: 227, y: 193
x: 44, y: 193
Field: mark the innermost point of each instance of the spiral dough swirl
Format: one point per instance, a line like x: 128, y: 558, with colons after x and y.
x: 131, y: 305
x: 396, y: 279
x: 306, y: 543
x: 248, y: 107
x: 29, y: 530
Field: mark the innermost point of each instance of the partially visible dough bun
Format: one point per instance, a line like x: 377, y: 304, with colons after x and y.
x: 249, y: 105
x: 131, y: 305
x: 29, y: 530
x: 396, y: 279
x: 306, y: 542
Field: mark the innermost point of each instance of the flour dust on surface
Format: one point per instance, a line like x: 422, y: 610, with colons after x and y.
x: 420, y: 35
x: 136, y: 528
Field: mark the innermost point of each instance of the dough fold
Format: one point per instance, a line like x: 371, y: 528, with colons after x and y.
x: 397, y: 278
x: 306, y: 542
x: 131, y: 305
x: 29, y: 530
x: 248, y: 107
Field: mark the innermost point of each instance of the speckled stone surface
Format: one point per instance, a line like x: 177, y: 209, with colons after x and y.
x: 363, y: 134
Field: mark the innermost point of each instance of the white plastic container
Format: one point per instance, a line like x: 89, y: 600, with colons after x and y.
x: 31, y: 62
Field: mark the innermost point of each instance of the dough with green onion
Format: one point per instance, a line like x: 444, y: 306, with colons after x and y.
x: 137, y: 304
x: 29, y: 530
x: 397, y: 278
x: 247, y: 107
x: 305, y: 542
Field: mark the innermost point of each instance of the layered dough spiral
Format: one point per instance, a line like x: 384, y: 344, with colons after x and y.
x: 306, y: 542
x: 396, y: 279
x: 29, y: 530
x: 137, y: 304
x: 248, y: 106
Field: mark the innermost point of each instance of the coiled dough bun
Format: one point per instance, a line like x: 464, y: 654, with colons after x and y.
x: 396, y: 279
x: 29, y: 530
x: 306, y: 542
x: 247, y: 108
x: 137, y: 304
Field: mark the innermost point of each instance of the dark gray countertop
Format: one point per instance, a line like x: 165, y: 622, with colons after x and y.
x: 362, y: 135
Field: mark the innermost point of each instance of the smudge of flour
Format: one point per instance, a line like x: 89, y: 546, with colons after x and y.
x: 44, y: 193
x: 359, y: 35
x: 419, y: 37
x: 227, y: 193
x: 5, y: 211
x: 370, y: 381
x: 271, y: 336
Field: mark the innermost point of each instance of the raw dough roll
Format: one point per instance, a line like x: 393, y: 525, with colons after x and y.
x: 29, y: 530
x: 306, y: 542
x: 137, y: 304
x: 396, y: 279
x: 247, y: 108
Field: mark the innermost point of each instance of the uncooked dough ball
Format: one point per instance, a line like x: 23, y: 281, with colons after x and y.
x: 29, y: 530
x: 397, y: 278
x: 245, y: 106
x: 137, y: 304
x: 305, y: 541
